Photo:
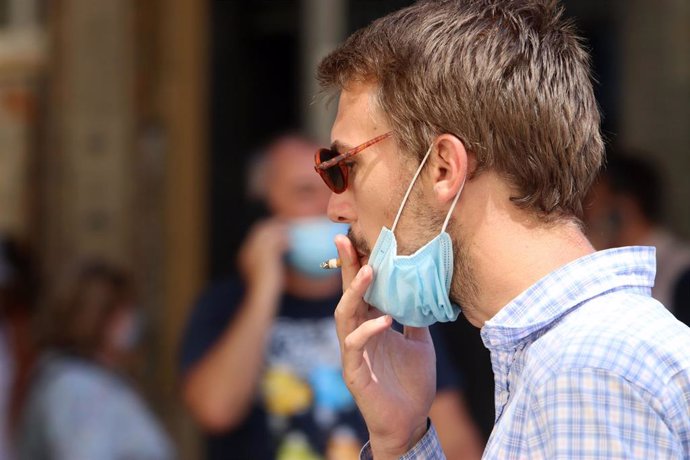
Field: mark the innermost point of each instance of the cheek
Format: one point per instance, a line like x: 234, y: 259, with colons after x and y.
x: 376, y: 195
x: 373, y: 214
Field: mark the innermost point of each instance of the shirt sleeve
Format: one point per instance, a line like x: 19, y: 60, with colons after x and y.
x: 592, y: 413
x: 428, y: 448
x: 208, y: 320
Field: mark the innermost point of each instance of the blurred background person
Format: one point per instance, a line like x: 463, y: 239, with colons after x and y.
x: 260, y: 359
x: 81, y: 404
x: 625, y: 208
x: 17, y: 350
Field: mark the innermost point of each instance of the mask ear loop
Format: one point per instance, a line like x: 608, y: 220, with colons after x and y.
x: 452, y: 206
x: 409, y: 189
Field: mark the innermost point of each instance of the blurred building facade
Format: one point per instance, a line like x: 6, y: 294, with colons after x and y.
x: 125, y: 125
x: 103, y: 128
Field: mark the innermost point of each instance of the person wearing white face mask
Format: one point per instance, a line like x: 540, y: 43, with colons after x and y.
x: 260, y: 358
x: 81, y: 403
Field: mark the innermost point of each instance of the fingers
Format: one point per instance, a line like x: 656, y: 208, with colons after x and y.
x: 357, y: 373
x: 352, y: 310
x: 263, y: 247
x: 348, y: 259
x: 357, y: 340
x: 267, y: 240
x: 274, y: 234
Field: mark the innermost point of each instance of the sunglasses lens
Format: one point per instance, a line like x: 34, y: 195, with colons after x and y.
x: 333, y: 176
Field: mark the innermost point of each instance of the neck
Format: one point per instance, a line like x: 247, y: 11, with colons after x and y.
x: 510, y: 249
x: 306, y: 287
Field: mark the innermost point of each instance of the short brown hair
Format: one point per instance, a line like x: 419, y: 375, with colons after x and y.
x: 76, y: 313
x: 509, y: 78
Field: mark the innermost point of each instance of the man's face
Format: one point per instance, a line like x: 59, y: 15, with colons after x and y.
x: 293, y: 190
x: 378, y: 178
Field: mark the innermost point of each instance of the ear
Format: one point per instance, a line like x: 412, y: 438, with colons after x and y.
x: 449, y: 167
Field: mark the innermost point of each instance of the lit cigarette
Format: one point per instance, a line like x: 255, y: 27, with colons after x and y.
x: 330, y: 263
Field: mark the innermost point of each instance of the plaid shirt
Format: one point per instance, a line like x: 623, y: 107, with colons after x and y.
x: 588, y: 366
x: 428, y: 448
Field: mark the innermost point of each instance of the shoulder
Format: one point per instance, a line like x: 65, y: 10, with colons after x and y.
x: 216, y: 303
x: 79, y: 388
x: 629, y: 335
x: 73, y: 375
x: 208, y: 318
x: 86, y: 411
x: 220, y: 292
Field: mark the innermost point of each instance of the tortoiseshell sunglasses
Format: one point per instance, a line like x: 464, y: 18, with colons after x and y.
x: 329, y: 163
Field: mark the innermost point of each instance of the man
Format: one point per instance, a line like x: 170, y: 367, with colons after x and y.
x: 493, y: 99
x: 260, y: 357
x: 624, y: 208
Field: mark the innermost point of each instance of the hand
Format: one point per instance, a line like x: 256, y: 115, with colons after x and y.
x: 392, y: 376
x: 261, y: 257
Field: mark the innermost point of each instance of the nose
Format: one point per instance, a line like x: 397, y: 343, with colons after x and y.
x: 340, y: 209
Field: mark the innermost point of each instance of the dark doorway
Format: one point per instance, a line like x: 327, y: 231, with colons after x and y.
x: 254, y: 91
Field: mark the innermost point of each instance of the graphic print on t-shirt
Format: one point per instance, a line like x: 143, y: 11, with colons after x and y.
x: 309, y: 407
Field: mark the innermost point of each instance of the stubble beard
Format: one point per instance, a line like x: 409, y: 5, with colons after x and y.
x: 359, y: 243
x: 464, y: 290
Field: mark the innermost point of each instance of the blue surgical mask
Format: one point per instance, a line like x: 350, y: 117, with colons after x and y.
x: 311, y: 242
x: 414, y: 289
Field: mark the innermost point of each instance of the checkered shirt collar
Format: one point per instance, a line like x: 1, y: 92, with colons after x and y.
x: 563, y: 290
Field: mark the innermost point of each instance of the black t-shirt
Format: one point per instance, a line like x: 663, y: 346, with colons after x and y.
x: 681, y: 297
x: 302, y: 404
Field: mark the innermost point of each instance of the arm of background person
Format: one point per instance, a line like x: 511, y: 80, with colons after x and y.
x: 219, y: 387
x: 456, y: 430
